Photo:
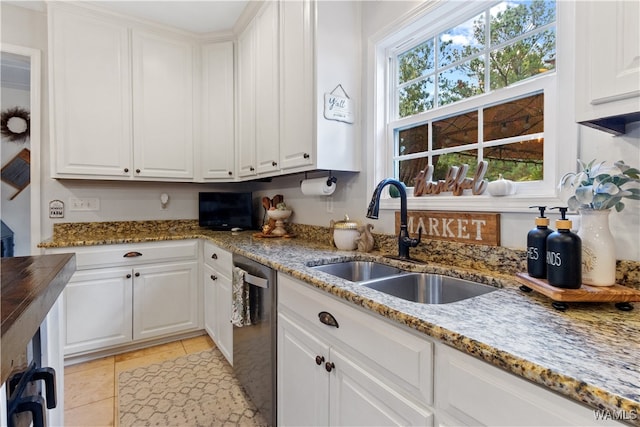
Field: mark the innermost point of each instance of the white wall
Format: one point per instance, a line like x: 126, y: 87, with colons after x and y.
x: 15, y: 213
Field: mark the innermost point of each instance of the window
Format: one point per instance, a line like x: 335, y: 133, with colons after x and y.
x: 474, y: 81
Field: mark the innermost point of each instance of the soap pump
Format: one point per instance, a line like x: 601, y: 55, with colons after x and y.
x: 537, y: 246
x: 564, y: 255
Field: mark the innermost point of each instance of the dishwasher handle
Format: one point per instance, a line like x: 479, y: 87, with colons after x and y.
x: 256, y: 281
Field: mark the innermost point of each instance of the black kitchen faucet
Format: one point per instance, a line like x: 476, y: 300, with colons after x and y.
x: 404, y: 241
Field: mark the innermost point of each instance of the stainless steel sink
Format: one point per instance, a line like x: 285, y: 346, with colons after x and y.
x: 429, y: 288
x: 358, y: 271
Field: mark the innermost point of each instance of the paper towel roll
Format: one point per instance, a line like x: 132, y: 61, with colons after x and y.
x: 317, y: 187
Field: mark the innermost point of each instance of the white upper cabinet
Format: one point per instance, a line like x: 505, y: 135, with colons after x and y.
x: 608, y: 64
x: 258, y: 125
x: 216, y: 155
x: 162, y: 106
x: 91, y: 119
x: 320, y: 49
x: 267, y: 84
x: 246, y: 143
x: 121, y: 98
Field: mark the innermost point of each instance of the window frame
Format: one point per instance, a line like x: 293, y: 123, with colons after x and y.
x: 559, y: 104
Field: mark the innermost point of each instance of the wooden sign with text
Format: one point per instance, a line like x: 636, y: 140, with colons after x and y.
x: 467, y: 227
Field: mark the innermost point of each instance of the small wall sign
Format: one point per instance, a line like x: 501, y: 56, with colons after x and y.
x: 336, y: 107
x: 56, y: 209
x: 466, y: 227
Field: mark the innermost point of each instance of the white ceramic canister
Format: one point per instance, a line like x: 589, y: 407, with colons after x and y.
x: 345, y: 233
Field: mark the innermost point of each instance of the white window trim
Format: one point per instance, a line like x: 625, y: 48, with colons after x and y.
x: 561, y: 130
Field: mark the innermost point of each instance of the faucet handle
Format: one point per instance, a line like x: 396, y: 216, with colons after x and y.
x: 412, y: 243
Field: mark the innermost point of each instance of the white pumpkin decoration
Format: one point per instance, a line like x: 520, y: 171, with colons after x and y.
x: 501, y: 187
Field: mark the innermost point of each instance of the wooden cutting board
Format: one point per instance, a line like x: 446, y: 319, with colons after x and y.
x: 586, y: 293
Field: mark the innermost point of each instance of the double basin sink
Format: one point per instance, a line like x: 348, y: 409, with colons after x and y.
x: 425, y: 288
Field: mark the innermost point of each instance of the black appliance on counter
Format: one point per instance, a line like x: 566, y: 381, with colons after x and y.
x: 225, y: 210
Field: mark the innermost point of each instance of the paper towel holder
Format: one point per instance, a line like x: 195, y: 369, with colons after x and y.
x: 330, y: 179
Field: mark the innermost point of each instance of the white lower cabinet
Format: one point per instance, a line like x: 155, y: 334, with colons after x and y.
x: 121, y: 294
x: 472, y: 392
x: 216, y: 279
x: 350, y: 374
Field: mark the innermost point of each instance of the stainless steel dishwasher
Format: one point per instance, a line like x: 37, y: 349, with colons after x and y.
x: 254, y: 345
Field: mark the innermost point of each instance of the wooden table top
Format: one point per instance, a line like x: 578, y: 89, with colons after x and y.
x: 30, y: 287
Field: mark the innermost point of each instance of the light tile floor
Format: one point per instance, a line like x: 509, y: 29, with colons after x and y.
x: 90, y: 389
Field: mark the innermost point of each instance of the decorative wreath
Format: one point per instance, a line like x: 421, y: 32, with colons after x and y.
x: 15, y: 124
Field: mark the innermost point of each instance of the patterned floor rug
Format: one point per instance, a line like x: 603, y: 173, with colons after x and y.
x: 194, y: 390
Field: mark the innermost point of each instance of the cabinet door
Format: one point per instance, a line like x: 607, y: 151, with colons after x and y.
x: 162, y: 107
x: 91, y: 103
x: 223, y: 317
x: 267, y: 88
x: 165, y: 299
x: 296, y: 77
x: 246, y: 103
x: 358, y: 397
x: 608, y: 38
x: 303, y: 385
x: 97, y: 309
x: 217, y: 145
x: 209, y: 278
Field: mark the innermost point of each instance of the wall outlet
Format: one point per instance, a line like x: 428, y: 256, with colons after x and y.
x: 84, y: 204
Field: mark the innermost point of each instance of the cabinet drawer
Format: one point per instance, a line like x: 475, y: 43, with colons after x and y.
x: 218, y: 259
x: 132, y: 254
x: 407, y: 360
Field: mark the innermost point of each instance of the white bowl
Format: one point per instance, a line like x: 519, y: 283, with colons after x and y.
x: 278, y: 214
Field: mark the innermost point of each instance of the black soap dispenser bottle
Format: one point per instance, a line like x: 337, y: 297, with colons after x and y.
x: 537, y: 246
x: 564, y: 255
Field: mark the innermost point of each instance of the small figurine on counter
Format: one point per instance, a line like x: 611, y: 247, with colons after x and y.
x: 365, y: 241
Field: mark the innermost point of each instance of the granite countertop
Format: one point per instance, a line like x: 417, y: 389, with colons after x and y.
x: 30, y: 287
x: 588, y: 353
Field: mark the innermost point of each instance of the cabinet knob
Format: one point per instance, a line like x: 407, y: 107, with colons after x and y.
x: 319, y: 360
x: 274, y: 163
x: 251, y: 168
x: 137, y: 274
x: 230, y: 173
x: 328, y: 319
x: 306, y: 155
x: 126, y: 170
x: 137, y: 170
x: 214, y: 277
x: 329, y: 366
x: 214, y: 256
x: 128, y: 276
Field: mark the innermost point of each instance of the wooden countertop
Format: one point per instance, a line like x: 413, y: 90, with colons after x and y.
x: 30, y: 287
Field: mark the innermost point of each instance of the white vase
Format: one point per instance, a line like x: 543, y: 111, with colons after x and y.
x: 598, y: 248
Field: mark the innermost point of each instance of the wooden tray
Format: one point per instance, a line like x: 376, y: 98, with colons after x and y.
x: 267, y: 236
x: 619, y: 294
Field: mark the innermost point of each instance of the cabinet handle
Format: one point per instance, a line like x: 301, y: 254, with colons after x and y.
x: 137, y: 274
x: 128, y: 276
x: 274, y: 163
x: 319, y: 360
x: 214, y: 256
x: 328, y: 319
x: 251, y: 168
x: 230, y: 173
x: 214, y: 277
x: 126, y: 170
x: 137, y: 170
x: 131, y: 254
x: 306, y: 155
x: 329, y: 366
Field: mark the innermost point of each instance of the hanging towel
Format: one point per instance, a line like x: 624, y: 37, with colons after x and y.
x: 240, y: 299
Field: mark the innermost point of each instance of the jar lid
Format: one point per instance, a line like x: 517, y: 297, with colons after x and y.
x: 345, y: 224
